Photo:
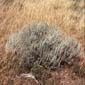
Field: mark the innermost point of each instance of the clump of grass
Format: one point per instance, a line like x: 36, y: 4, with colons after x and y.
x: 39, y: 44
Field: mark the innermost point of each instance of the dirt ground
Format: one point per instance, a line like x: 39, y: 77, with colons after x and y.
x: 68, y: 15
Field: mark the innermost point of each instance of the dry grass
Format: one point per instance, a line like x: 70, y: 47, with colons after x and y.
x: 62, y: 13
x: 67, y: 14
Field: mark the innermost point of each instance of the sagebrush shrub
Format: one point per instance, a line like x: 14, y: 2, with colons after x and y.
x: 42, y: 45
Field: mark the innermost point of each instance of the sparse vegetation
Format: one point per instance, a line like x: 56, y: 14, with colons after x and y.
x: 40, y: 45
x: 69, y: 15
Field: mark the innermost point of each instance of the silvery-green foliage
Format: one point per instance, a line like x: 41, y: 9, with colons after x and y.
x: 43, y: 45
